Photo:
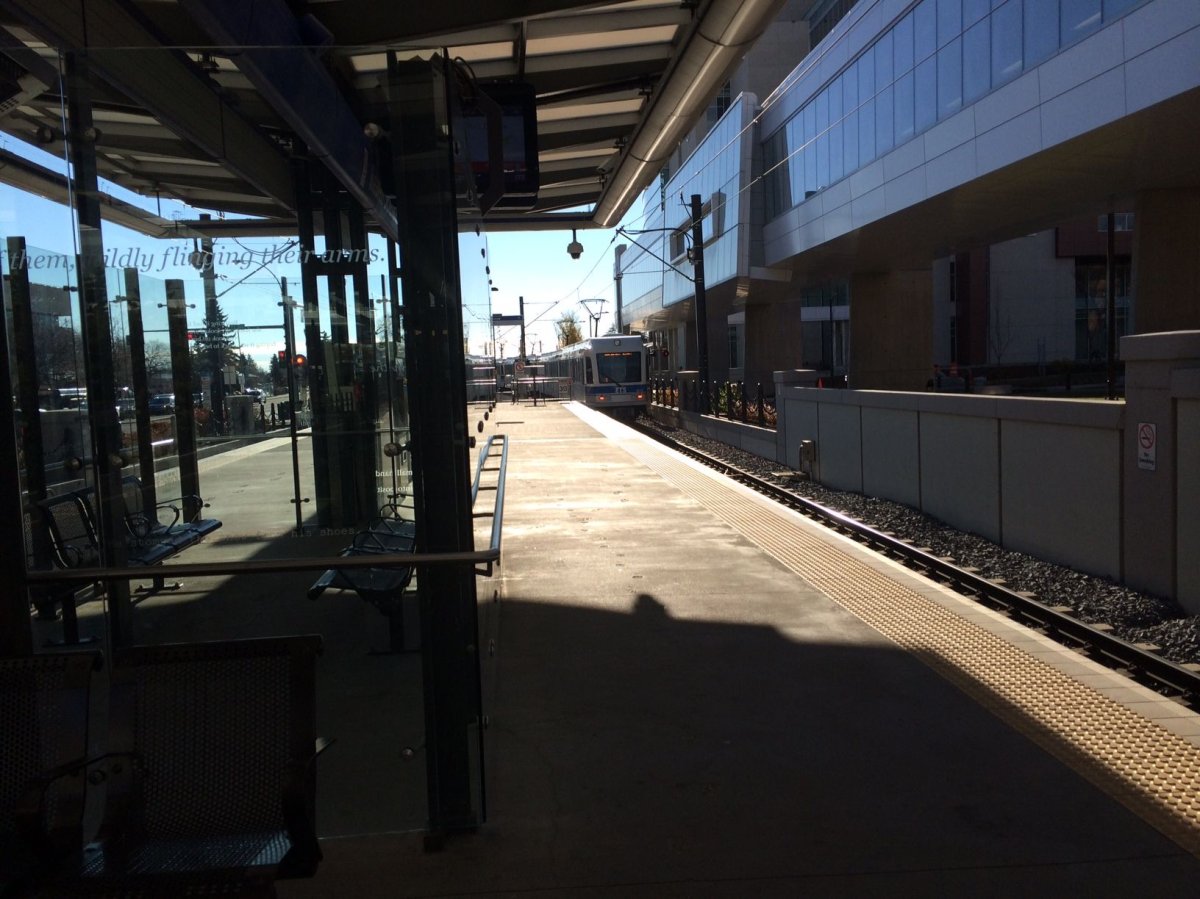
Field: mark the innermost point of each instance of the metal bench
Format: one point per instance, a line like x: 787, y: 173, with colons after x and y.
x: 209, y: 776
x: 75, y: 537
x: 382, y: 587
x: 145, y: 521
x: 44, y: 702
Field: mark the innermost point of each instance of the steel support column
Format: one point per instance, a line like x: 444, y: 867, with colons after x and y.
x: 97, y: 344
x: 141, y: 389
x: 423, y: 163
x: 16, y: 637
x: 185, y: 411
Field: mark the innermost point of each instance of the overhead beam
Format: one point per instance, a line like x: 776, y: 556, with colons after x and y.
x: 162, y: 81
x: 275, y: 58
x: 18, y: 172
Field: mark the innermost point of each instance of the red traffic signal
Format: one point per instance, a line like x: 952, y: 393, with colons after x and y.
x: 282, y: 357
x: 300, y: 359
x: 191, y: 335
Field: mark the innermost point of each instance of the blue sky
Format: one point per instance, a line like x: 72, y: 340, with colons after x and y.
x: 535, y: 265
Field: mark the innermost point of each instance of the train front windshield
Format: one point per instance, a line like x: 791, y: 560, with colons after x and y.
x: 619, y: 368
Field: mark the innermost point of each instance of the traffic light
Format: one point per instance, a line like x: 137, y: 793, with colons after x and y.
x: 299, y: 360
x: 191, y: 335
x: 282, y: 357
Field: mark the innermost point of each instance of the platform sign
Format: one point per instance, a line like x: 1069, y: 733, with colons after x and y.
x: 1147, y: 446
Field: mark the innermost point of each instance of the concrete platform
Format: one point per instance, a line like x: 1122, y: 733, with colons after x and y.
x: 694, y: 693
x: 685, y: 699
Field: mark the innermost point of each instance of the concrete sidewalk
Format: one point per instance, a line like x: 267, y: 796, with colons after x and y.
x: 673, y: 712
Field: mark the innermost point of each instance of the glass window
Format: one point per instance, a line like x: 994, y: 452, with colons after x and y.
x: 977, y: 67
x: 904, y: 108
x: 866, y: 133
x: 1006, y: 42
x: 849, y: 81
x: 883, y: 61
x: 1079, y: 17
x: 810, y: 122
x: 837, y: 161
x: 949, y: 21
x: 949, y: 78
x: 902, y: 45
x: 1113, y: 8
x: 1041, y: 30
x: 777, y: 187
x: 883, y: 121
x: 822, y: 104
x: 974, y: 10
x: 850, y: 143
x: 925, y: 29
x: 822, y: 161
x: 810, y: 170
x: 925, y: 91
x: 866, y: 76
x: 835, y: 100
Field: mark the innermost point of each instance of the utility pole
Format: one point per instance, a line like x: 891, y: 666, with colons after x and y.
x: 215, y: 334
x: 618, y: 260
x: 701, y: 307
x: 521, y: 300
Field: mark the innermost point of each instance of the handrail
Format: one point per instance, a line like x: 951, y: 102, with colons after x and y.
x: 487, y: 556
x: 498, y: 504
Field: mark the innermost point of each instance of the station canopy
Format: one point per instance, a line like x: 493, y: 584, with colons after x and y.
x: 206, y: 101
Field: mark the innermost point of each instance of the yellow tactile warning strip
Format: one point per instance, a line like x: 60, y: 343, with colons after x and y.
x: 1153, y: 772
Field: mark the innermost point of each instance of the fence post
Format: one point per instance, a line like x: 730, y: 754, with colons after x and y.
x: 759, y: 401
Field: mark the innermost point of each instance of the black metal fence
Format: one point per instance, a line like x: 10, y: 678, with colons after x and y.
x: 722, y: 399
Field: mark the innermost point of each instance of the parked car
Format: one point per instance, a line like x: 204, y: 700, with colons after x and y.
x: 162, y: 404
x: 254, y: 393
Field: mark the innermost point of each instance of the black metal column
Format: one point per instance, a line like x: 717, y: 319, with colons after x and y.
x: 368, y: 417
x: 314, y: 345
x: 97, y: 342
x: 423, y: 163
x: 29, y: 433
x: 185, y: 413
x: 141, y: 389
x: 16, y: 637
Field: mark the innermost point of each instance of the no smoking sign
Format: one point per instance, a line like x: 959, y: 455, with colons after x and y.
x: 1147, y: 446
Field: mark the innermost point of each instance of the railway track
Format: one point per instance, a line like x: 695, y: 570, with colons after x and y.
x: 1140, y: 664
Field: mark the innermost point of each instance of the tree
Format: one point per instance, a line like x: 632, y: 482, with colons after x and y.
x: 213, y: 343
x: 567, y: 328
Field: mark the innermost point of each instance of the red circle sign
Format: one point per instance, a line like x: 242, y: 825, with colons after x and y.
x: 1146, y: 436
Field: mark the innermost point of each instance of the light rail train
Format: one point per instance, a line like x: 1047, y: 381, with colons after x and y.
x: 607, y: 373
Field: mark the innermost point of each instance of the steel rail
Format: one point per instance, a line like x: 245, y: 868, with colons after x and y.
x: 1150, y: 669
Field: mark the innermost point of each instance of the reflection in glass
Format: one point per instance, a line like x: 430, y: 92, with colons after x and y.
x: 866, y: 133
x: 1079, y: 17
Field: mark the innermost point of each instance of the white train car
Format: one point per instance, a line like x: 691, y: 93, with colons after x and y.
x: 606, y: 373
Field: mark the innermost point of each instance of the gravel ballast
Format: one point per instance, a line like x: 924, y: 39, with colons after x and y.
x: 1137, y: 617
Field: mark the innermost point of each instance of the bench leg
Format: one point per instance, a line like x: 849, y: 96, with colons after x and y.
x: 158, y: 585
